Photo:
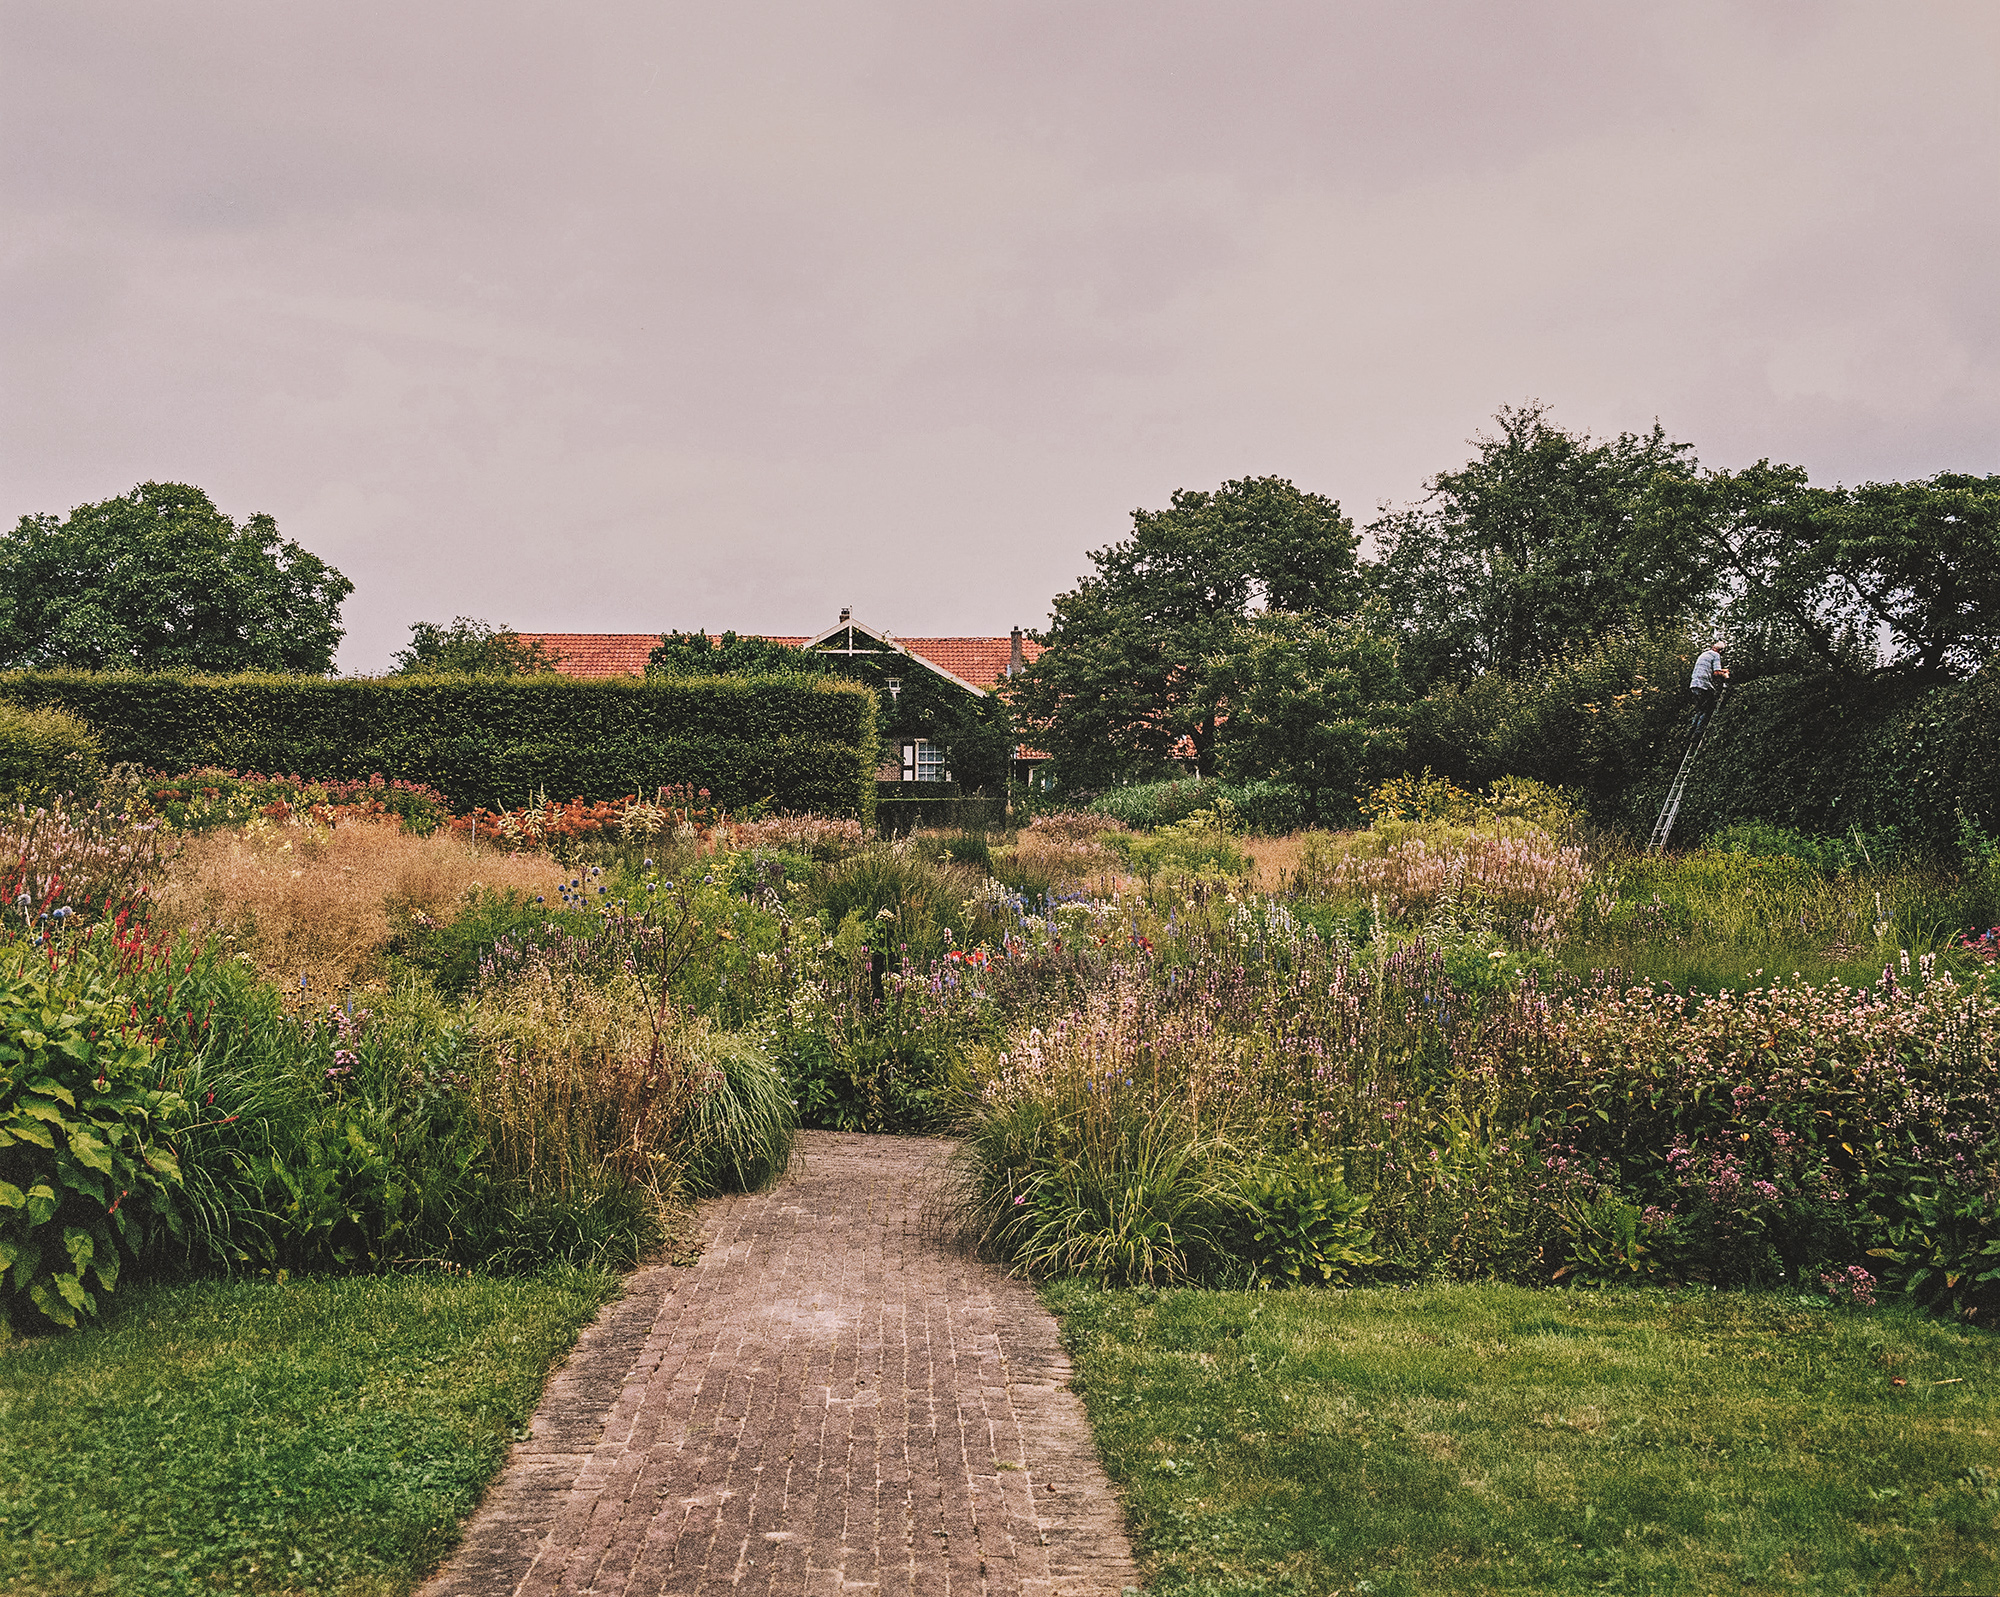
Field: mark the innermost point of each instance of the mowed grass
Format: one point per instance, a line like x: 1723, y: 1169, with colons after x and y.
x: 310, y: 1436
x: 1494, y: 1439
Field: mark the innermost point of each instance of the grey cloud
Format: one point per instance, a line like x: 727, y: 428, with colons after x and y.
x: 626, y: 316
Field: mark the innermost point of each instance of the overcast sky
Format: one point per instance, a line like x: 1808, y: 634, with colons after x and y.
x: 621, y: 317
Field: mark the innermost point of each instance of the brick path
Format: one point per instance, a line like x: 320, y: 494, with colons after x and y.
x: 830, y: 1402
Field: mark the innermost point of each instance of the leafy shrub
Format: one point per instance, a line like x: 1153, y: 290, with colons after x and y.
x: 1267, y: 808
x: 1830, y: 856
x: 1593, y: 719
x: 1941, y: 1241
x: 87, y: 1164
x: 1299, y: 1225
x: 1426, y: 797
x: 1200, y: 842
x: 47, y: 754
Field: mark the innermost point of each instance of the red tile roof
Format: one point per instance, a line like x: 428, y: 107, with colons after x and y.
x: 980, y: 661
x: 606, y: 654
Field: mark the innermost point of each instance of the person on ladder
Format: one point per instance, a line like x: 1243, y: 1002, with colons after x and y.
x: 1705, y: 688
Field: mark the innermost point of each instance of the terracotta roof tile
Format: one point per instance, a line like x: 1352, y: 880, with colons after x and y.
x: 980, y: 661
x: 607, y: 654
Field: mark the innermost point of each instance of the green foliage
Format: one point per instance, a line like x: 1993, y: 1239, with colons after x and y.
x: 468, y: 647
x: 1609, y: 1242
x: 1942, y: 1241
x: 1267, y: 809
x: 1316, y: 705
x: 87, y: 1164
x: 696, y: 654
x: 160, y: 580
x: 1200, y: 843
x: 1594, y: 719
x: 1833, y: 567
x: 1826, y: 754
x: 1299, y: 1225
x: 1486, y: 1439
x: 45, y: 755
x: 1540, y: 544
x: 1830, y: 856
x: 1126, y: 673
x: 496, y: 742
x: 304, y: 1436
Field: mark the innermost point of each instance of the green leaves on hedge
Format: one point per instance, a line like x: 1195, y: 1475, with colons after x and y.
x: 496, y: 742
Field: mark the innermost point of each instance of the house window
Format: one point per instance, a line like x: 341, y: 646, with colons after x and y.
x: 923, y: 761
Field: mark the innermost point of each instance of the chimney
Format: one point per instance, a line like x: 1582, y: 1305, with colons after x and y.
x: 1015, y: 664
x: 845, y: 612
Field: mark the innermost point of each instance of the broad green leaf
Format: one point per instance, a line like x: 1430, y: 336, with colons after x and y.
x: 52, y: 1305
x: 11, y: 1196
x: 43, y: 1109
x: 87, y: 1150
x: 50, y: 1088
x: 79, y: 1245
x: 27, y: 1131
x: 42, y: 1202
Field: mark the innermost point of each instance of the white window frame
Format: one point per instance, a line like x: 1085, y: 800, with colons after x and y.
x: 925, y: 761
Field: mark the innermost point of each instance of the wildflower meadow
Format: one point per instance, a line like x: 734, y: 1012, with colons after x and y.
x: 261, y: 1029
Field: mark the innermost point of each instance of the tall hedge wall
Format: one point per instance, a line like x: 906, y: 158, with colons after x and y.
x: 807, y: 743
x: 1824, y: 754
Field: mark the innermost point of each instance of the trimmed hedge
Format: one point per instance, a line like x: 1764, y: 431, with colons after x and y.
x: 806, y: 743
x: 46, y: 753
x: 1825, y: 754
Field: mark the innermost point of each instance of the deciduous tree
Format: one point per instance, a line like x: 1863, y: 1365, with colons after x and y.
x: 468, y: 647
x: 161, y: 580
x: 1320, y: 704
x: 1540, y: 542
x: 1126, y: 674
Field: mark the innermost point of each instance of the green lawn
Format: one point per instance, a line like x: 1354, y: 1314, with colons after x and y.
x: 1492, y: 1439
x: 311, y: 1436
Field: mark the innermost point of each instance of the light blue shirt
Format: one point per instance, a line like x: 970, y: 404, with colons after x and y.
x: 1704, y: 668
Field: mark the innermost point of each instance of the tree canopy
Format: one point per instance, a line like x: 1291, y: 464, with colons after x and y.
x: 1540, y: 542
x: 160, y: 580
x: 1319, y: 704
x: 1128, y: 669
x: 1831, y: 570
x: 696, y: 654
x: 470, y: 647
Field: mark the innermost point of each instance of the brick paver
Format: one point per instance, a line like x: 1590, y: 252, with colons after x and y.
x: 833, y: 1401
